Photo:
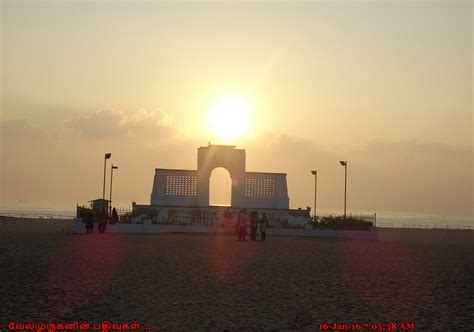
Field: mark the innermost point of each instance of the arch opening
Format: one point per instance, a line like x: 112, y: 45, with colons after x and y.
x: 220, y: 187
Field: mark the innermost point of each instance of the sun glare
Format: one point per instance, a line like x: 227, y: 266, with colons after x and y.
x: 228, y: 118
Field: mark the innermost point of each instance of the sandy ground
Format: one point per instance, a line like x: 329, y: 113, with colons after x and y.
x: 214, y: 282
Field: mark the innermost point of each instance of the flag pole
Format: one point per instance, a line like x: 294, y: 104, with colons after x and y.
x: 103, y: 188
x: 344, y: 163
x: 111, y: 179
x: 345, y: 189
x: 315, y: 173
x: 315, y: 190
x: 107, y: 156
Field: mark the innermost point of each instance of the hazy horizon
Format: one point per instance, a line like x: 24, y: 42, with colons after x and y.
x: 386, y: 86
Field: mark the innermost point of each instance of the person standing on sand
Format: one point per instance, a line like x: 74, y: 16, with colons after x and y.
x: 114, y: 219
x: 243, y: 220
x: 89, y: 216
x: 253, y: 225
x: 263, y: 225
x: 237, y: 224
x: 104, y: 218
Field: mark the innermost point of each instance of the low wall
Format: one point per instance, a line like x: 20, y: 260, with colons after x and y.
x: 445, y: 236
x: 148, y: 228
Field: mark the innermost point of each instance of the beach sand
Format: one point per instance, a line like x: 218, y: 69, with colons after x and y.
x: 202, y: 282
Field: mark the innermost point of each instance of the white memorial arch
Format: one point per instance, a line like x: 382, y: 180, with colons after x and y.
x: 190, y: 188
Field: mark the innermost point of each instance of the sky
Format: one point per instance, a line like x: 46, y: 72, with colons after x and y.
x: 385, y: 85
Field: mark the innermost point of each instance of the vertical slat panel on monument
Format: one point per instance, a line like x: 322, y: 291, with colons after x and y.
x: 266, y: 190
x: 174, y: 187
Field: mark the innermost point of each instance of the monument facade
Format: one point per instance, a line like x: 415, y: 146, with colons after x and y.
x: 190, y: 188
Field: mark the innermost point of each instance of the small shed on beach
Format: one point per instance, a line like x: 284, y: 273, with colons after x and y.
x: 100, y: 205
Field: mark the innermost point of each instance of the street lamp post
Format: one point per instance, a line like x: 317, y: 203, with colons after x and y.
x: 344, y: 163
x: 107, y: 156
x: 315, y: 173
x: 111, y: 178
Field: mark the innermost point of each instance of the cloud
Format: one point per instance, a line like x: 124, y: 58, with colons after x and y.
x: 417, y: 176
x: 99, y: 124
x: 411, y: 148
x: 111, y: 124
x: 20, y: 129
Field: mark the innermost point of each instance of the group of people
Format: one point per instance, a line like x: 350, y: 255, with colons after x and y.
x: 244, y: 220
x: 103, y: 219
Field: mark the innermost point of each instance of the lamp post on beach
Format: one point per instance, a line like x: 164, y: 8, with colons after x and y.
x: 107, y: 156
x: 344, y: 163
x: 315, y: 173
x: 111, y: 178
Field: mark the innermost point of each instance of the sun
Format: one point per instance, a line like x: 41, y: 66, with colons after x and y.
x: 228, y: 118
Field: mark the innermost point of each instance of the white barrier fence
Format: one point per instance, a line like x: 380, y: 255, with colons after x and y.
x: 149, y: 228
